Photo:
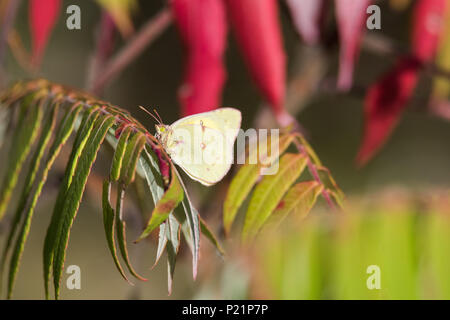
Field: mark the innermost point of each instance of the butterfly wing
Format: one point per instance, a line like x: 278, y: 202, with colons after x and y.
x: 202, y: 144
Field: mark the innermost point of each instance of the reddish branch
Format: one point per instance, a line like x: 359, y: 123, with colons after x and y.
x: 148, y: 33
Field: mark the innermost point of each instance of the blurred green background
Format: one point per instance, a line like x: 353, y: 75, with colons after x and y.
x: 415, y: 159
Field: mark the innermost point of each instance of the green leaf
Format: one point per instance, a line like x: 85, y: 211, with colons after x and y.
x: 192, y: 232
x: 74, y: 195
x: 438, y: 246
x: 149, y: 165
x: 173, y: 245
x: 119, y: 154
x: 109, y: 224
x: 162, y: 242
x: 87, y: 123
x: 27, y: 194
x: 24, y: 136
x: 29, y: 180
x: 123, y: 168
x: 171, y: 199
x: 298, y: 201
x: 263, y: 153
x: 239, y: 189
x: 247, y: 177
x: 169, y: 230
x: 121, y: 227
x: 270, y: 191
x: 211, y: 237
x: 190, y: 224
x: 131, y: 155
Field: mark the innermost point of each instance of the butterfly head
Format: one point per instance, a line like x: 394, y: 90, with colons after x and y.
x: 162, y: 132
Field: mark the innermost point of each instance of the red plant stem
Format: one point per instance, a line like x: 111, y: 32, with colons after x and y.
x: 104, y: 46
x: 148, y: 33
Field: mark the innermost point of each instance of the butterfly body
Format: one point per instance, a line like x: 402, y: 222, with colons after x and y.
x: 202, y: 144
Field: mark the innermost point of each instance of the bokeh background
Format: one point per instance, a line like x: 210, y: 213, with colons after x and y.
x: 415, y: 160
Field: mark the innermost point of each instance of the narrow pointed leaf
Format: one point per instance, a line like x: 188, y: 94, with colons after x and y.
x: 383, y: 106
x: 119, y: 154
x: 240, y: 187
x: 149, y: 164
x: 270, y: 191
x: 150, y: 168
x: 23, y: 203
x: 191, y: 226
x: 109, y: 225
x: 171, y: 199
x: 428, y: 27
x: 206, y: 231
x: 306, y: 15
x: 24, y: 136
x: 29, y: 180
x: 74, y: 194
x: 89, y: 118
x: 43, y: 16
x: 247, y: 176
x: 298, y: 201
x: 258, y: 33
x: 130, y: 158
x: 202, y: 26
x: 123, y: 168
x: 173, y: 245
x: 121, y: 234
x: 387, y: 99
x: 162, y: 242
x: 351, y: 17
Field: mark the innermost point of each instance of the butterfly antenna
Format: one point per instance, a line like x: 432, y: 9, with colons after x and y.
x: 151, y: 114
x: 159, y: 117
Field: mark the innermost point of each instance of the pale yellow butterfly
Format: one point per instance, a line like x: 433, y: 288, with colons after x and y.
x: 202, y: 144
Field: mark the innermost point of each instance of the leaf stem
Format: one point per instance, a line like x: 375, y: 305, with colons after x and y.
x: 313, y: 170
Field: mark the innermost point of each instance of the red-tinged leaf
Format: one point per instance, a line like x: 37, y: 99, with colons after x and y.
x: 104, y: 46
x: 202, y: 27
x: 387, y: 99
x: 164, y: 166
x: 170, y: 200
x: 306, y: 15
x: 258, y: 33
x: 428, y: 27
x: 384, y: 103
x: 43, y: 16
x: 350, y: 16
x: 299, y: 201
